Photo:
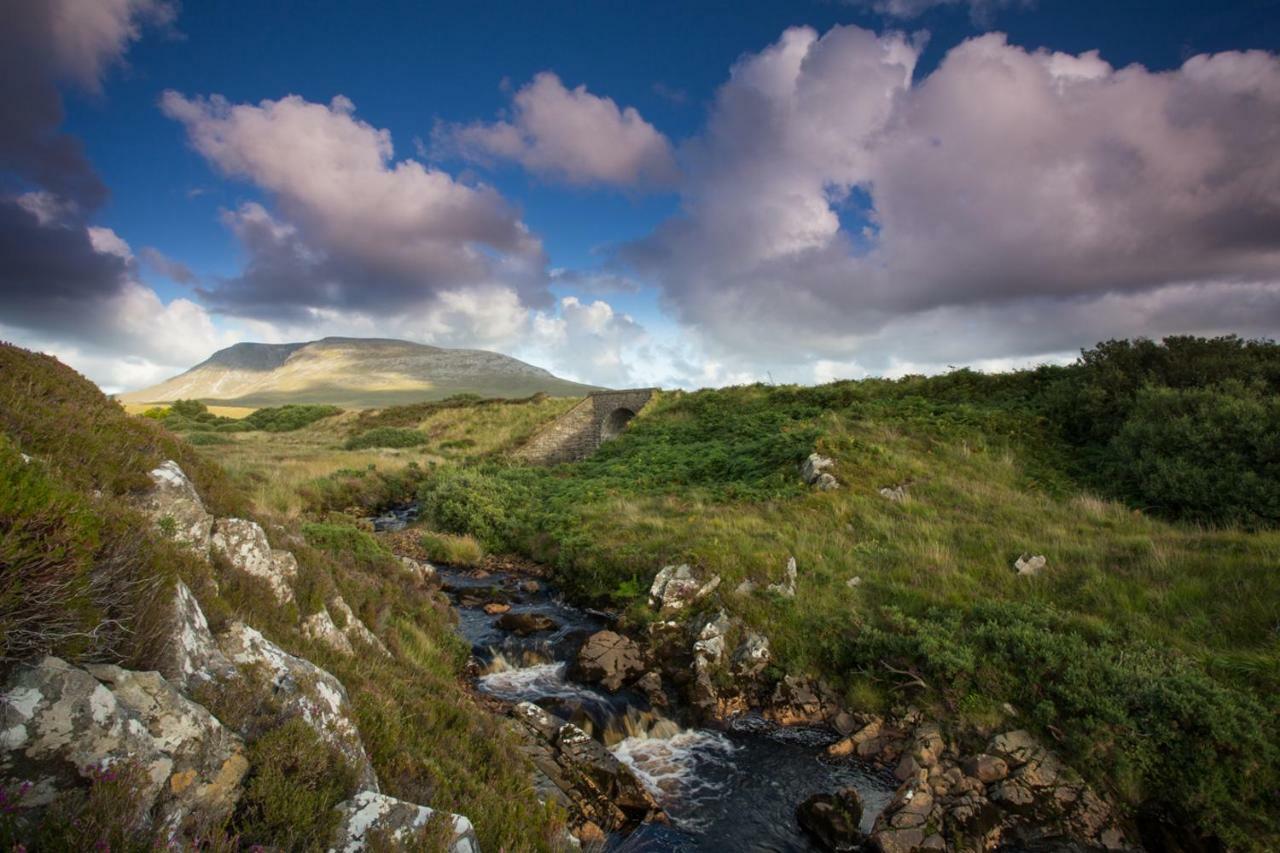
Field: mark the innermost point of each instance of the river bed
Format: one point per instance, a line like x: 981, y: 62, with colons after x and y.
x: 735, y: 789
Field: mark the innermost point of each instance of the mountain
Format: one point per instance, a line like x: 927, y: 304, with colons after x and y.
x: 352, y: 372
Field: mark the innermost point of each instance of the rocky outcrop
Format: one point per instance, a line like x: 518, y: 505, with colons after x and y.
x: 676, y: 587
x: 814, y: 472
x: 354, y: 629
x: 299, y: 688
x: 833, y: 820
x: 800, y: 701
x: 608, y: 659
x: 244, y: 544
x: 319, y: 627
x: 175, y: 505
x: 59, y: 724
x: 370, y: 815
x: 1013, y: 793
x: 598, y: 788
x: 190, y: 655
x: 322, y: 628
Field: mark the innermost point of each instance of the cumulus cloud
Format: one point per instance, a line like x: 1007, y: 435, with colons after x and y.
x: 353, y: 229
x: 568, y: 135
x: 1012, y: 203
x: 588, y: 341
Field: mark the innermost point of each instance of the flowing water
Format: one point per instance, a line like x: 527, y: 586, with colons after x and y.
x: 723, y: 790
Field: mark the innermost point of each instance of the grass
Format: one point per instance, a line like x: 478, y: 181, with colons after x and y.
x: 451, y: 549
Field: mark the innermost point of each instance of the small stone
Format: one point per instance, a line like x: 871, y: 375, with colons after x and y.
x: 787, y: 587
x: 853, y: 582
x: 811, y: 470
x: 496, y: 608
x: 524, y: 624
x: 1029, y: 567
x: 894, y: 493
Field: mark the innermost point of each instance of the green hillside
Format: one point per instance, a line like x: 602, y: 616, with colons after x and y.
x: 1147, y: 475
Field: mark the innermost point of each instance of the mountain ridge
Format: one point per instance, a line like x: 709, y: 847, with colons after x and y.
x: 352, y: 372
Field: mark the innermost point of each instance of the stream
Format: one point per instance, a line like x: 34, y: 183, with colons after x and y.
x: 735, y: 789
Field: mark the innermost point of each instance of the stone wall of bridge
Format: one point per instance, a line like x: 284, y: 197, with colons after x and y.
x: 578, y: 432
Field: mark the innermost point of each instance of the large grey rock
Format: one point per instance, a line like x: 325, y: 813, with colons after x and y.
x: 244, y: 544
x: 59, y: 724
x: 191, y: 655
x: 752, y: 655
x: 396, y: 821
x: 609, y: 659
x: 302, y: 689
x: 675, y: 587
x: 175, y: 505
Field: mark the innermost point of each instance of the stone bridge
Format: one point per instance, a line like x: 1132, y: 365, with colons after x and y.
x: 578, y: 432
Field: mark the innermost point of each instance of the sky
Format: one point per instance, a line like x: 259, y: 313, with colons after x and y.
x: 670, y: 193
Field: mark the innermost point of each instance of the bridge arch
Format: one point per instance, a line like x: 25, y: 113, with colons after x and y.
x: 577, y: 433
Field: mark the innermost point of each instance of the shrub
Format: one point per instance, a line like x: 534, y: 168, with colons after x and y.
x: 204, y: 439
x: 288, y: 418
x: 295, y: 782
x: 386, y: 437
x: 477, y: 502
x: 454, y: 550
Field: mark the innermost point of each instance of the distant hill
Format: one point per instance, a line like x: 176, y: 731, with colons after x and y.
x: 354, y: 373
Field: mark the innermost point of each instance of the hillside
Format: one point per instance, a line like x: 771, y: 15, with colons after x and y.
x: 180, y: 672
x: 352, y: 373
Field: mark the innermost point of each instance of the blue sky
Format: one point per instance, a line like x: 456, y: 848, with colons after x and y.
x: 840, y: 257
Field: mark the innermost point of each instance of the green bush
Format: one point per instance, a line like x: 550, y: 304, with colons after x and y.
x: 386, y: 437
x: 344, y: 541
x: 288, y: 418
x: 203, y: 439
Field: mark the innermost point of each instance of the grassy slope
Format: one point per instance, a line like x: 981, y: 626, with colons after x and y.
x: 75, y: 560
x: 1151, y: 649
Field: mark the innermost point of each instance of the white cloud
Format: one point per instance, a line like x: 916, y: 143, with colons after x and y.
x: 355, y: 230
x: 569, y: 135
x: 1019, y: 204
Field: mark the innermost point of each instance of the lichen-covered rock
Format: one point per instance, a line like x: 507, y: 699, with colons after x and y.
x: 598, y: 787
x: 608, y: 659
x: 244, y: 544
x: 1030, y: 566
x: 372, y: 814
x: 302, y: 689
x: 319, y: 627
x: 355, y: 630
x: 420, y: 570
x: 897, y: 493
x: 676, y: 587
x: 191, y: 655
x: 752, y: 655
x: 60, y: 723
x: 813, y: 467
x: 175, y: 505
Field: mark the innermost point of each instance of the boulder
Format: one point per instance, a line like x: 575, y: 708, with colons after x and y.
x: 832, y: 820
x: 798, y: 701
x: 422, y: 572
x: 319, y: 627
x: 244, y: 544
x: 598, y: 787
x: 60, y: 724
x: 355, y: 630
x: 1029, y: 566
x: 524, y: 624
x: 787, y: 586
x: 986, y: 768
x: 175, y: 505
x: 302, y: 689
x: 190, y: 655
x: 812, y: 469
x: 608, y: 659
x: 396, y: 822
x: 675, y: 587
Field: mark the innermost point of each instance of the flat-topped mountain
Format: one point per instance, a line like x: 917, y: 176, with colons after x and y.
x: 352, y: 372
